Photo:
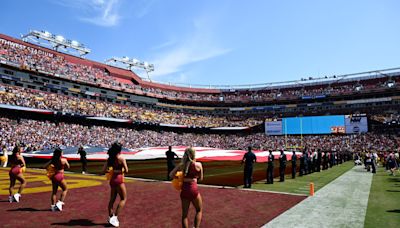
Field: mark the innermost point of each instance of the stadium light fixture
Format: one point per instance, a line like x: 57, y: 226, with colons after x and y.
x: 130, y: 63
x: 390, y: 84
x: 47, y: 34
x: 75, y: 43
x: 60, y: 38
x: 359, y: 88
x: 56, y: 42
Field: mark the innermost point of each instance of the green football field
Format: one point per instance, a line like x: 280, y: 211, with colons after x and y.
x: 301, y: 185
x: 384, y: 201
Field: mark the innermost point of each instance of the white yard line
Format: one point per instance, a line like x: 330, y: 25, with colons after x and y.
x: 282, y: 193
x: 341, y: 203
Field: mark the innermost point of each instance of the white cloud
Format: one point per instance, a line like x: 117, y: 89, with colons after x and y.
x: 174, y: 60
x: 142, y: 8
x: 196, y: 46
x: 106, y: 13
x: 99, y: 12
x: 164, y: 45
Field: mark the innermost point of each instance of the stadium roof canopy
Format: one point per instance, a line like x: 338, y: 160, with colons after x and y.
x: 57, y: 42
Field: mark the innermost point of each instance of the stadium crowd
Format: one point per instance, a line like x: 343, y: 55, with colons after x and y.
x: 60, y: 67
x: 36, y: 135
x: 387, y: 118
x: 20, y: 96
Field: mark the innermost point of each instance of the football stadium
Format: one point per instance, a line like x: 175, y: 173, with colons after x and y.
x: 92, y: 143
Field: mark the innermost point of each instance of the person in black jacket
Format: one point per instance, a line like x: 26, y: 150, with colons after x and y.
x: 294, y: 159
x: 270, y: 168
x: 374, y: 157
x: 306, y: 167
x: 302, y: 163
x: 248, y: 159
x: 83, y: 159
x: 309, y: 162
x: 340, y: 157
x: 282, y: 166
x: 325, y: 161
x: 170, y: 161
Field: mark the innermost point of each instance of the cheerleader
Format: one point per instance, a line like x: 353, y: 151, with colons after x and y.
x: 17, y: 162
x: 55, y: 169
x: 4, y: 158
x: 115, y: 168
x: 192, y: 171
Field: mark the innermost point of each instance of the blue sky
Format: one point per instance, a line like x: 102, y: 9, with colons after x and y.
x: 224, y: 41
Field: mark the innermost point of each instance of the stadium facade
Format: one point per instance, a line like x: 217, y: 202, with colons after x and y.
x: 36, y: 68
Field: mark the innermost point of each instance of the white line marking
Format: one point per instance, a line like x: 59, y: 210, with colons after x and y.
x: 341, y: 203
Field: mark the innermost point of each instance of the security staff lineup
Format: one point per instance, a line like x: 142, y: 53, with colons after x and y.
x: 309, y: 162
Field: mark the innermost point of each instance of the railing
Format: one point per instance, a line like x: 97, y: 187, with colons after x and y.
x: 311, y: 81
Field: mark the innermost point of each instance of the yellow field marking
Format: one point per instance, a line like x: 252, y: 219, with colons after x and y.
x: 39, y: 176
x: 76, y: 175
x: 43, y: 172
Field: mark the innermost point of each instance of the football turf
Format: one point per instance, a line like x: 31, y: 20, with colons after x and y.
x: 384, y: 200
x: 301, y: 185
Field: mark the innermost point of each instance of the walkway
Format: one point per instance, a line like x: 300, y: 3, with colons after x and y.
x: 341, y: 203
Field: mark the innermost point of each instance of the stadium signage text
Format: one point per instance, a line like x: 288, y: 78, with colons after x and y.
x: 21, y: 46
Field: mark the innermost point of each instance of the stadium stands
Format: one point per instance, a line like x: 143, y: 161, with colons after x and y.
x: 20, y: 96
x: 78, y: 70
x: 43, y: 135
x: 167, y: 104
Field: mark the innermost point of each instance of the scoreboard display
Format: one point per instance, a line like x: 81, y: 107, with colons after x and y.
x: 335, y: 124
x: 356, y: 123
x: 338, y: 130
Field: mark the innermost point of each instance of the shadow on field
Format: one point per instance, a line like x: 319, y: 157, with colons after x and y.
x: 394, y: 179
x: 29, y: 209
x: 393, y: 190
x: 360, y: 170
x: 80, y: 222
x: 394, y: 211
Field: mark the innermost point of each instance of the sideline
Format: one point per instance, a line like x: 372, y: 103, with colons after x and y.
x: 341, y: 203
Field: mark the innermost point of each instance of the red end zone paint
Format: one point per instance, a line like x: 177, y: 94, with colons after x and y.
x: 149, y: 204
